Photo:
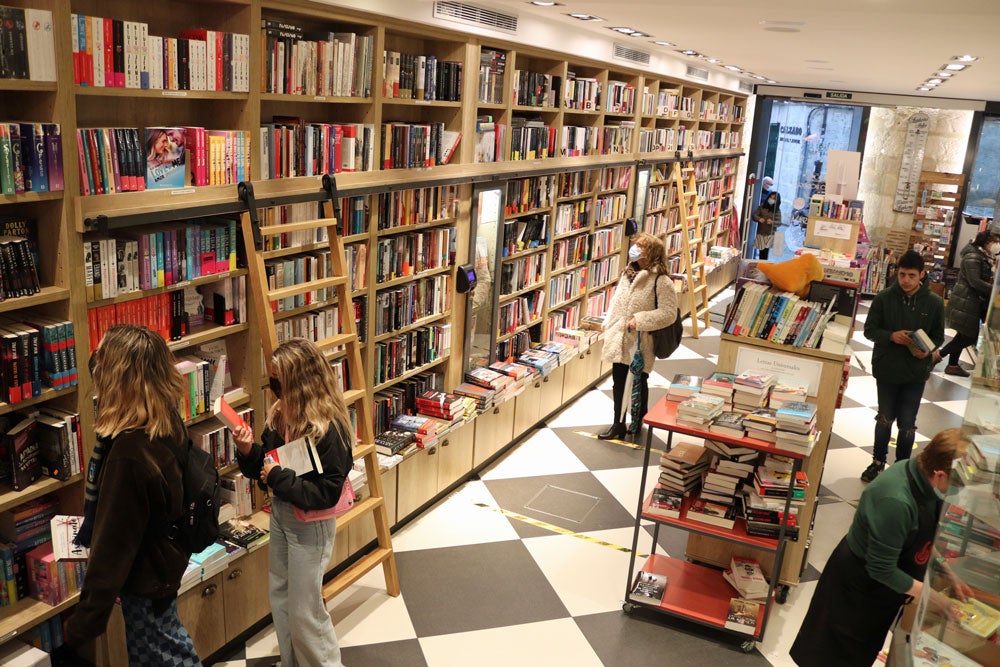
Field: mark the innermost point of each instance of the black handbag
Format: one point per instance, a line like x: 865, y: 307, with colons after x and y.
x: 667, y: 339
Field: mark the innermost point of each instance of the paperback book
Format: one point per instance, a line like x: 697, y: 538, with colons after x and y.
x: 648, y: 588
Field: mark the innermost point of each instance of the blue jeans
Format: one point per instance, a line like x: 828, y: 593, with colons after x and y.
x: 899, y: 403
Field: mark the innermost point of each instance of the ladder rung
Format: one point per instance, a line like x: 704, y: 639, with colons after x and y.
x: 358, y: 511
x: 336, y: 341
x: 305, y: 225
x: 354, y: 395
x: 701, y: 312
x: 693, y: 217
x: 359, y: 569
x: 699, y: 288
x: 697, y: 265
x: 690, y: 193
x: 686, y: 169
x: 302, y: 288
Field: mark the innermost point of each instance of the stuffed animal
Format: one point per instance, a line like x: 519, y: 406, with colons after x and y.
x: 795, y: 274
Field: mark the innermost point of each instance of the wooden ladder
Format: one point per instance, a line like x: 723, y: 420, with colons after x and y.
x: 694, y: 267
x: 253, y: 239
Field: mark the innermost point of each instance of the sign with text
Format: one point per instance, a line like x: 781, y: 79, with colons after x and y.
x: 833, y: 230
x: 788, y: 367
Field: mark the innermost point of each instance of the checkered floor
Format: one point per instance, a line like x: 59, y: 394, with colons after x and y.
x: 482, y: 587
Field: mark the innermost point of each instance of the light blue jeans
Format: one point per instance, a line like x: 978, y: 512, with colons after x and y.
x: 299, y: 554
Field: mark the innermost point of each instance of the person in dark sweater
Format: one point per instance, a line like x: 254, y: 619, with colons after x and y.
x: 309, y: 405
x: 881, y: 562
x: 899, y: 367
x: 134, y: 492
x: 969, y: 298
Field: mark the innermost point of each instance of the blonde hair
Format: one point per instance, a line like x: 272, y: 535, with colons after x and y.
x: 136, y: 382
x: 653, y: 251
x: 310, y: 395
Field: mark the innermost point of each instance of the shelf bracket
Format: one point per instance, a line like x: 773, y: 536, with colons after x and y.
x: 245, y: 189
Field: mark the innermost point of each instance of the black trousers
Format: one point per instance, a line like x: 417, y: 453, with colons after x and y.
x: 953, y: 349
x: 619, y: 374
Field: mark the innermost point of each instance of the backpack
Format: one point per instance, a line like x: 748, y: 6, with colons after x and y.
x: 198, y: 526
x: 667, y: 339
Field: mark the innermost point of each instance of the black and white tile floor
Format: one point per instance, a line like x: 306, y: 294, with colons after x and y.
x: 483, y: 587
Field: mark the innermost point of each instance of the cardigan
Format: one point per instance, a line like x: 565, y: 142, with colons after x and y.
x: 635, y: 298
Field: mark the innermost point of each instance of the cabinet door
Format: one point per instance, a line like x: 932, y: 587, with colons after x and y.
x: 526, y: 409
x: 455, y: 457
x: 203, y: 612
x: 417, y: 480
x: 362, y: 531
x: 552, y: 393
x: 244, y: 588
x: 577, y: 376
x: 494, y: 430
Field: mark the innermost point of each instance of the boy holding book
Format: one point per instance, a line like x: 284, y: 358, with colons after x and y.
x: 901, y: 368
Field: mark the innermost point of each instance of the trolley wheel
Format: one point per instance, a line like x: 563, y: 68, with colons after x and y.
x: 627, y: 607
x: 748, y: 646
x: 781, y: 593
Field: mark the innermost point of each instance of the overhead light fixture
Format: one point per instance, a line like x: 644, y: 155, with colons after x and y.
x: 733, y: 68
x: 623, y: 30
x: 758, y: 77
x: 540, y: 3
x: 586, y: 17
x: 714, y: 61
x: 663, y: 43
x: 924, y: 88
x: 944, y: 74
x: 689, y: 52
x: 955, y: 67
x: 769, y: 81
x: 638, y: 34
x: 965, y: 59
x: 935, y: 81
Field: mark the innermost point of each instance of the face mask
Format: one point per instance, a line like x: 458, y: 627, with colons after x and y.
x: 275, y: 385
x: 770, y: 202
x: 634, y: 253
x: 994, y: 248
x: 939, y: 493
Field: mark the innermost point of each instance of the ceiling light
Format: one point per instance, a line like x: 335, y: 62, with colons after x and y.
x: 954, y: 67
x: 638, y: 34
x: 966, y: 59
x: 539, y: 3
x: 712, y: 60
x: 935, y: 81
x: 734, y: 68
x: 662, y: 43
x: 586, y: 17
x: 781, y: 29
x: 924, y: 88
x: 758, y: 77
x: 943, y: 74
x: 623, y: 30
x: 769, y: 81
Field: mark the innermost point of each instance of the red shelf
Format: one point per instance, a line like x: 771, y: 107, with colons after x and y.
x: 664, y: 415
x: 738, y: 533
x: 695, y: 591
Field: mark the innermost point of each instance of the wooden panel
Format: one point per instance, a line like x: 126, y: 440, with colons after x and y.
x: 418, y: 481
x: 577, y: 375
x: 202, y: 611
x: 494, y: 430
x: 527, y: 408
x: 362, y: 532
x: 552, y: 393
x: 245, y: 592
x: 455, y: 457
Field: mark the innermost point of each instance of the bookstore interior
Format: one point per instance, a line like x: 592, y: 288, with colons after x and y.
x: 444, y: 205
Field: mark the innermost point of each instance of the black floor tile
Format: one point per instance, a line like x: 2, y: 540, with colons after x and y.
x: 671, y: 541
x: 810, y: 574
x: 940, y: 389
x: 932, y: 419
x: 839, y: 442
x: 406, y: 652
x: 475, y: 587
x: 598, y: 454
x: 645, y: 638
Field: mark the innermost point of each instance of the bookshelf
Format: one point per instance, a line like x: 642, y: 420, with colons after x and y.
x: 380, y: 199
x: 936, y: 216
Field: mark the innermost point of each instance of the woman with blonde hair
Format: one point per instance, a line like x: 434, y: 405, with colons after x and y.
x: 644, y: 301
x: 309, y: 405
x: 134, y: 491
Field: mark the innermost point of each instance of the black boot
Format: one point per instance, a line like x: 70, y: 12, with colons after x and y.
x: 616, y: 432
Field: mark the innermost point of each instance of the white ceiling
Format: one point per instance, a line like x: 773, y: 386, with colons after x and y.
x: 885, y: 46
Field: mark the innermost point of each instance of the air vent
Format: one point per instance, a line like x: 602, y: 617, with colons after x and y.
x: 697, y: 73
x: 461, y: 12
x: 746, y: 87
x: 632, y: 55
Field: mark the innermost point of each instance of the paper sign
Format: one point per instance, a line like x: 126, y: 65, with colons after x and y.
x: 787, y: 367
x: 833, y: 230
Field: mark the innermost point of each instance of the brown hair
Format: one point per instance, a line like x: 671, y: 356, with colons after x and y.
x: 310, y: 395
x: 942, y: 450
x: 653, y: 250
x: 137, y: 385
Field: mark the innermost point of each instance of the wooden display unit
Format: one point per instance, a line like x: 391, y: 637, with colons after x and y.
x: 936, y: 215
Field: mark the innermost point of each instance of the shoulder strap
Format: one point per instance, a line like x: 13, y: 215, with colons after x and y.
x: 656, y: 298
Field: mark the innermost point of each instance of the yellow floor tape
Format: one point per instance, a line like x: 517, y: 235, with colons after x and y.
x: 624, y: 443
x: 557, y: 529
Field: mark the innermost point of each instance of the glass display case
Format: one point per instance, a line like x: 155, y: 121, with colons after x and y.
x: 950, y: 630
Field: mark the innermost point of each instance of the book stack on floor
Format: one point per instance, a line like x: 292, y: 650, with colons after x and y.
x: 796, y: 426
x: 745, y: 575
x: 680, y: 468
x: 761, y: 424
x: 720, y: 384
x: 699, y: 411
x: 773, y: 477
x: 423, y: 428
x: 684, y: 386
x: 765, y: 514
x: 23, y: 528
x: 751, y: 389
x: 783, y: 392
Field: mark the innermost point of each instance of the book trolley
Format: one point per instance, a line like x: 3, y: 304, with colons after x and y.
x: 694, y: 591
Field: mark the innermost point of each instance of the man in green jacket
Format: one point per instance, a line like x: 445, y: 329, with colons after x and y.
x: 899, y: 367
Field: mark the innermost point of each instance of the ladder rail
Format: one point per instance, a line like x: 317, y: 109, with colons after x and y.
x: 686, y: 192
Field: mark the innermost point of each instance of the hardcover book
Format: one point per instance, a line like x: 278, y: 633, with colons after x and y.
x: 227, y: 415
x: 648, y: 588
x: 164, y: 158
x: 64, y: 529
x: 21, y: 443
x: 299, y: 456
x: 665, y: 503
x: 742, y: 616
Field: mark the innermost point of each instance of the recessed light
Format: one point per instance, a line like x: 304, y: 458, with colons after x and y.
x: 924, y: 88
x: 758, y: 77
x: 714, y: 61
x: 662, y: 43
x: 733, y: 68
x: 539, y: 3
x: 586, y: 17
x: 944, y: 74
x: 623, y: 30
x: 689, y: 52
x: 954, y: 67
x: 638, y: 34
x: 935, y: 81
x: 966, y: 59
x: 769, y: 81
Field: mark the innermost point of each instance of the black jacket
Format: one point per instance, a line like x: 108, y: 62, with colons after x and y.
x: 971, y: 294
x: 892, y: 310
x: 140, y: 494
x: 311, y: 491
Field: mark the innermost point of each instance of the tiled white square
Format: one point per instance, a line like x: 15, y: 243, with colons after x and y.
x: 558, y: 642
x: 541, y: 454
x: 863, y: 390
x: 861, y: 359
x: 683, y: 352
x: 784, y: 624
x: 842, y: 472
x: 657, y: 381
x: 958, y: 407
x: 366, y: 614
x: 856, y: 425
x: 594, y: 407
x: 834, y: 520
x: 263, y: 644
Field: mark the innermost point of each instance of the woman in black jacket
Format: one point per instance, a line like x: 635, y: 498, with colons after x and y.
x: 310, y: 407
x: 969, y: 298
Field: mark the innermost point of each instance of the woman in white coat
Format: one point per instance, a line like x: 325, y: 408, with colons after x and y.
x: 635, y: 307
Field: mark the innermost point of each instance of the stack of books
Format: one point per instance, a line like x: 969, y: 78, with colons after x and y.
x: 440, y: 404
x: 720, y: 384
x: 761, y: 424
x: 482, y: 395
x: 244, y: 534
x: 712, y: 513
x: 564, y: 352
x: 699, y: 411
x: 796, y: 426
x: 213, y: 560
x: 721, y: 487
x: 732, y: 452
x: 680, y: 468
x: 489, y: 378
x: 783, y: 392
x: 729, y: 423
x: 745, y: 575
x: 773, y: 478
x: 765, y: 514
x: 544, y: 362
x: 519, y: 376
x: 740, y: 466
x: 751, y: 389
x: 683, y: 387
x: 665, y: 503
x: 423, y: 428
x: 391, y: 443
x: 836, y: 335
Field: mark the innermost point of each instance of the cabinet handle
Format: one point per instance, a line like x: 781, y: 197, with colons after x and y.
x: 446, y: 442
x: 588, y: 351
x: 537, y: 385
x: 432, y: 452
x: 209, y: 590
x: 496, y: 410
x: 236, y: 574
x: 544, y: 379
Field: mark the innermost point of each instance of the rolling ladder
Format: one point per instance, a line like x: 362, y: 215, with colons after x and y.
x: 694, y: 266
x: 253, y: 238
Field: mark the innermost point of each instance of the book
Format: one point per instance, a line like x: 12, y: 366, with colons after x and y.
x: 977, y: 617
x: 665, y: 503
x: 227, y: 415
x: 684, y: 454
x: 648, y: 588
x: 164, y: 158
x: 742, y: 615
x: 299, y: 456
x: 712, y: 513
x: 64, y: 529
x: 23, y: 454
x: 922, y: 341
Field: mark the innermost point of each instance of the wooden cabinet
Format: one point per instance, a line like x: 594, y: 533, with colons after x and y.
x: 527, y: 409
x: 550, y: 399
x: 455, y: 456
x: 418, y: 481
x: 203, y: 612
x: 245, y: 592
x: 494, y: 430
x: 361, y: 533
